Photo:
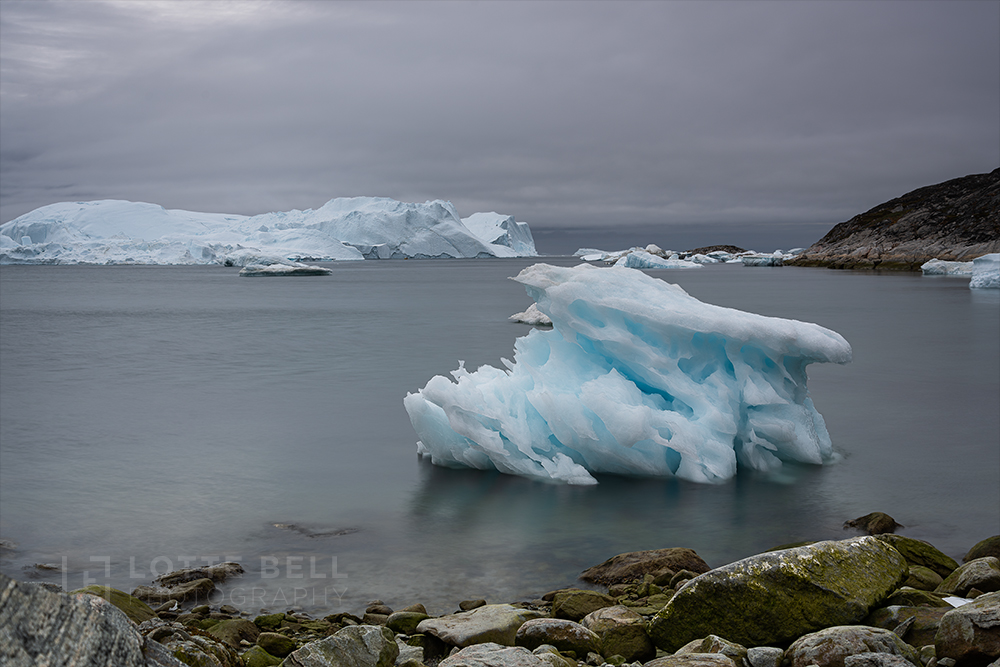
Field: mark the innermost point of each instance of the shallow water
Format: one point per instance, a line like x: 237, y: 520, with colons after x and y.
x: 152, y: 417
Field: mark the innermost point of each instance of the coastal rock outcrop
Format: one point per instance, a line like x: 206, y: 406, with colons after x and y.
x: 775, y: 597
x: 955, y: 220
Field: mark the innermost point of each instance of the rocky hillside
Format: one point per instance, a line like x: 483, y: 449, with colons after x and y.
x: 957, y: 220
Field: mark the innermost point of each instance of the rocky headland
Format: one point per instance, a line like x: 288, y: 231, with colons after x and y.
x: 879, y: 600
x: 957, y: 220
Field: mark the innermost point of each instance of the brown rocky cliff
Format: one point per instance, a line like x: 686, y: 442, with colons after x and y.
x: 957, y: 220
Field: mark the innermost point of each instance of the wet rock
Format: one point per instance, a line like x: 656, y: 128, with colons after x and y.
x: 564, y: 635
x: 40, y: 627
x: 136, y: 610
x: 924, y: 626
x: 875, y: 523
x: 469, y: 605
x: 405, y: 622
x: 353, y: 646
x: 970, y: 634
x: 217, y: 573
x: 275, y: 644
x: 982, y: 574
x: 631, y: 566
x: 918, y: 552
x: 829, y: 647
x: 379, y: 608
x: 775, y: 597
x: 573, y: 604
x: 988, y: 547
x: 234, y: 630
x: 622, y: 632
x: 197, y: 590
x: 497, y: 623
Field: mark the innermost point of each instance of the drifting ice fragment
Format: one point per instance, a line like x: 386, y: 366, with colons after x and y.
x: 636, y: 378
x: 940, y: 267
x: 986, y: 272
x: 532, y: 316
x: 640, y: 259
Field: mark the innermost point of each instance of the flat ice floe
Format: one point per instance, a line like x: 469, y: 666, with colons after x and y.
x: 123, y: 232
x: 636, y: 378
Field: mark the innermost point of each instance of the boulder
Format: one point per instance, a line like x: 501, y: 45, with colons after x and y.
x: 574, y: 603
x: 693, y: 660
x: 923, y: 578
x: 199, y: 590
x: 217, y: 573
x: 876, y: 660
x: 353, y: 646
x: 269, y: 622
x: 918, y: 552
x: 136, y: 610
x: 764, y: 656
x: 829, y: 647
x: 622, y: 632
x: 875, y: 523
x: 632, y: 566
x: 496, y: 623
x: 564, y: 635
x: 255, y: 656
x: 490, y: 654
x: 40, y: 627
x: 405, y: 622
x: 772, y: 598
x: 988, y: 547
x: 970, y: 634
x: 714, y: 644
x: 920, y: 632
x: 232, y: 631
x: 911, y: 597
x: 275, y: 644
x: 982, y: 574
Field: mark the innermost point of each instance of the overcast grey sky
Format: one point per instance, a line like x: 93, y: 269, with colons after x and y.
x: 626, y: 119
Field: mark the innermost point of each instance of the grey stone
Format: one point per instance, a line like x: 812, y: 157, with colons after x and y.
x: 982, y: 574
x: 876, y: 660
x: 875, y: 523
x: 632, y: 566
x: 693, y: 660
x: 353, y: 646
x: 217, y: 573
x: 775, y: 597
x: 622, y: 632
x: 970, y: 634
x: 491, y: 654
x: 714, y: 644
x: 199, y: 590
x: 829, y: 647
x: 574, y: 604
x: 497, y: 623
x: 40, y: 627
x: 764, y: 656
x: 563, y: 634
x: 923, y: 627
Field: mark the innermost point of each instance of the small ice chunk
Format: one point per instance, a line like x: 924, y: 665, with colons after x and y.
x: 532, y: 316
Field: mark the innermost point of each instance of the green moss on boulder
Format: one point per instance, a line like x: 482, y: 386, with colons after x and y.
x: 136, y: 610
x: 773, y: 598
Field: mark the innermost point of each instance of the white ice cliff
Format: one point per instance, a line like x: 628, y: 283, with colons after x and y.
x: 114, y: 232
x: 986, y: 272
x: 636, y: 378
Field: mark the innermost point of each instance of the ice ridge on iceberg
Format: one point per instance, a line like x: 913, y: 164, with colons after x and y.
x: 636, y: 378
x: 117, y: 232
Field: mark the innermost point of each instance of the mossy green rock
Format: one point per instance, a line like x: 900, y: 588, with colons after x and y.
x: 275, y: 644
x: 136, y: 610
x: 405, y: 622
x: 911, y: 597
x: 923, y: 578
x: 988, y: 547
x: 354, y: 646
x: 773, y: 598
x: 575, y: 603
x: 269, y: 623
x: 918, y: 552
x: 234, y: 630
x: 255, y: 656
x: 921, y: 631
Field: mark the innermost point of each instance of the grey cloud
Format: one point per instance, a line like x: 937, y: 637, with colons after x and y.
x: 571, y: 115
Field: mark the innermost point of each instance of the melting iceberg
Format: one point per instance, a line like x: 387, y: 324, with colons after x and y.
x: 940, y: 267
x: 640, y: 259
x: 636, y: 378
x: 986, y: 272
x: 114, y: 232
x: 504, y: 232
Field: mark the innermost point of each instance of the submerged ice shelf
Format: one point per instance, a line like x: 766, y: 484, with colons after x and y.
x: 637, y: 378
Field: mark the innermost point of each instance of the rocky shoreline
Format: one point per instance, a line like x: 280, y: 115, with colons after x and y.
x: 880, y: 600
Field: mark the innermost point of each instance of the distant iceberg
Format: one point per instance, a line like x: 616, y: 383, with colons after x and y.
x: 123, y: 232
x: 503, y: 231
x: 636, y: 378
x: 640, y: 259
x: 940, y: 267
x: 986, y: 272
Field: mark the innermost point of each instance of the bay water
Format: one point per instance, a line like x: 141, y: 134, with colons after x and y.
x: 153, y: 418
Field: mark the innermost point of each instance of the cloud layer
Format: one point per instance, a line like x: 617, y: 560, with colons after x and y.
x: 584, y: 116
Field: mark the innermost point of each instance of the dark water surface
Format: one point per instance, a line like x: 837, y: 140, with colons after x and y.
x: 152, y: 417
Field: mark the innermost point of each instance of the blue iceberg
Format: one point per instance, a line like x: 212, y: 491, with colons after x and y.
x: 636, y: 378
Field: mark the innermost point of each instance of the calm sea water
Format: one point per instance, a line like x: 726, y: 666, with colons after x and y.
x: 157, y: 417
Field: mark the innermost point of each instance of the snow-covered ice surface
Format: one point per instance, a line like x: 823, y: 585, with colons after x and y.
x: 123, y: 232
x: 940, y: 267
x: 636, y: 378
x: 986, y: 272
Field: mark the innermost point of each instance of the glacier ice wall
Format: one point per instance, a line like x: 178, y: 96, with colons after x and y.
x: 113, y: 232
x: 986, y: 272
x: 636, y: 378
